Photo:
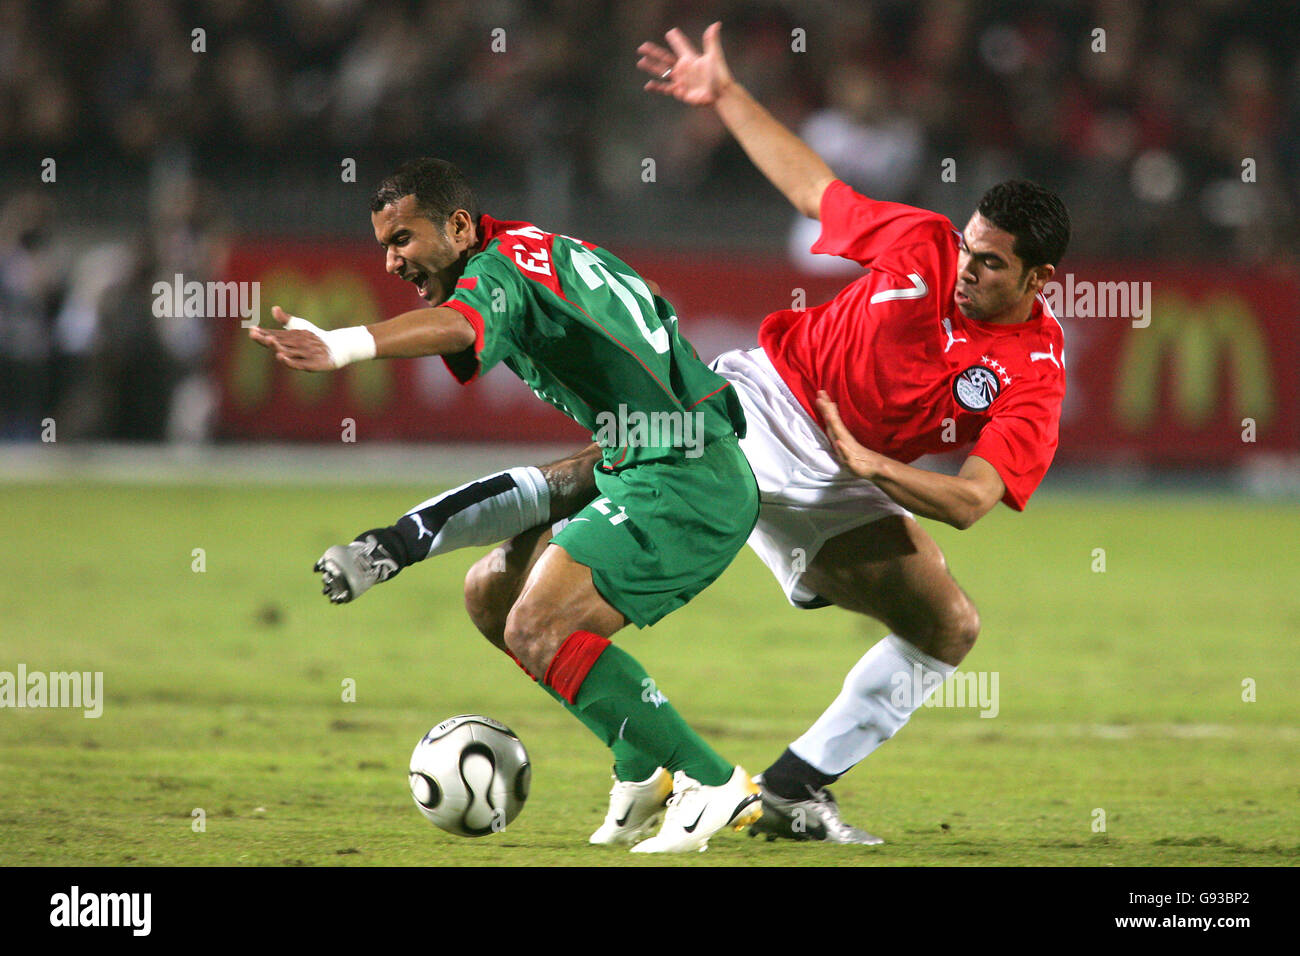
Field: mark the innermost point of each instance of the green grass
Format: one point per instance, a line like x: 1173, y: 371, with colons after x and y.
x: 1120, y: 691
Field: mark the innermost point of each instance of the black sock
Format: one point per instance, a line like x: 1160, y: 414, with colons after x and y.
x: 791, y: 777
x: 393, y: 541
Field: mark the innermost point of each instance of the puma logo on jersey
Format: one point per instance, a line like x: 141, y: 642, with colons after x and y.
x: 1049, y: 355
x: 947, y: 327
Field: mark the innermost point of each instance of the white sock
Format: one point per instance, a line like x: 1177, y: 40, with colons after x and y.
x: 480, y: 512
x: 880, y: 693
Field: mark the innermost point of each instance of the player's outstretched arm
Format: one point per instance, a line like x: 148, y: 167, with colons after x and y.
x: 703, y: 79
x: 959, y: 500
x: 301, y: 345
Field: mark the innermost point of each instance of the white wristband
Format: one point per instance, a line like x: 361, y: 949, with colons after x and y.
x: 352, y: 344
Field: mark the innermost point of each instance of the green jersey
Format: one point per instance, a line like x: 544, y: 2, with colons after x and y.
x: 585, y: 332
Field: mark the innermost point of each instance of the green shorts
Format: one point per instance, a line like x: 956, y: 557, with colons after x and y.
x: 660, y: 533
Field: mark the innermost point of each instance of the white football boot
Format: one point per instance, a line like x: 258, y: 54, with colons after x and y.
x: 696, y: 812
x: 350, y: 570
x: 635, y: 809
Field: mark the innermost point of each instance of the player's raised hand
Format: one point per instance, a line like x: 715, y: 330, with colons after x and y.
x: 298, y: 345
x: 857, y: 458
x: 685, y: 73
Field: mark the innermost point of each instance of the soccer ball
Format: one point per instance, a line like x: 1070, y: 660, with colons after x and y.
x: 470, y: 775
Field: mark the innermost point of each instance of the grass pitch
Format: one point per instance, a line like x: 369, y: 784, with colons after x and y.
x: 1146, y: 713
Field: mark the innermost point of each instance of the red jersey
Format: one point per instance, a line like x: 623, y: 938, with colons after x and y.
x: 910, y: 374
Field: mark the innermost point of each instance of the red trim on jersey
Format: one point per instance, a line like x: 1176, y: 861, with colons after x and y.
x: 490, y: 229
x: 476, y: 321
x: 711, y: 394
x: 496, y: 229
x: 469, y: 283
x: 573, y: 662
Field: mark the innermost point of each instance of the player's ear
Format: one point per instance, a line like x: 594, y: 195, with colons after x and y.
x: 461, y: 229
x: 1039, y: 276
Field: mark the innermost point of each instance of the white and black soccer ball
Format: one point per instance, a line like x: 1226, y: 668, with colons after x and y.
x: 470, y: 775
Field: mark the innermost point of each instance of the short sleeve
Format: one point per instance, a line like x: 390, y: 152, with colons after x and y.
x: 1020, y: 440
x: 863, y: 229
x: 491, y: 296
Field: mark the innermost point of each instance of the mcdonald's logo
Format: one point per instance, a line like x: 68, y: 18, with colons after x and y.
x: 1200, y: 340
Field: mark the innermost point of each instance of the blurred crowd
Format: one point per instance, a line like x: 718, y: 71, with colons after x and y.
x: 1172, y: 128
x: 81, y: 346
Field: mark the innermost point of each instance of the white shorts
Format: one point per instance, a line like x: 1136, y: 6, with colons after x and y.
x: 805, y: 496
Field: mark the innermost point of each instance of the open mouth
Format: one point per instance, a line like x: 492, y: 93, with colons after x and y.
x: 421, y: 281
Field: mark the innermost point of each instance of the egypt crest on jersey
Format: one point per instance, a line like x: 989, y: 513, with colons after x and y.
x: 975, y: 388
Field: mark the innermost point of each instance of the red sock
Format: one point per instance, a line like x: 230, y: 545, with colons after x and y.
x: 573, y: 661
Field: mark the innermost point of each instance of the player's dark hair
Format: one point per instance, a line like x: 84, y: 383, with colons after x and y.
x: 1034, y: 215
x: 438, y: 186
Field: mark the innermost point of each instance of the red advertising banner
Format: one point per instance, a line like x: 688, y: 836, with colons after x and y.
x: 1204, y: 370
x: 1176, y: 365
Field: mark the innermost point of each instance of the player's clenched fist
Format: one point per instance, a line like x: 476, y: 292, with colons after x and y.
x: 690, y: 76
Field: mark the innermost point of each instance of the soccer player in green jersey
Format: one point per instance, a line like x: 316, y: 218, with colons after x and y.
x: 676, y: 497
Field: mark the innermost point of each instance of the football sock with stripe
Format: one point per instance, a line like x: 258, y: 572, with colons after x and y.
x: 613, y: 693
x: 477, y: 513
x: 629, y: 763
x: 880, y: 693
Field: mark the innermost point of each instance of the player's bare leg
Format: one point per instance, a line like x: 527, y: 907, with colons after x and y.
x: 494, y: 583
x: 541, y: 607
x: 558, y: 598
x: 893, y: 571
x: 641, y: 787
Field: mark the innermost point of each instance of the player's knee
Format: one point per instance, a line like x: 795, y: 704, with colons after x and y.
x: 487, y: 597
x: 958, y: 628
x: 527, y: 636
x: 947, y: 630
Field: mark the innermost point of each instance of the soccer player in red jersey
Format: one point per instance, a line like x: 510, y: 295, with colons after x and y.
x: 945, y: 342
